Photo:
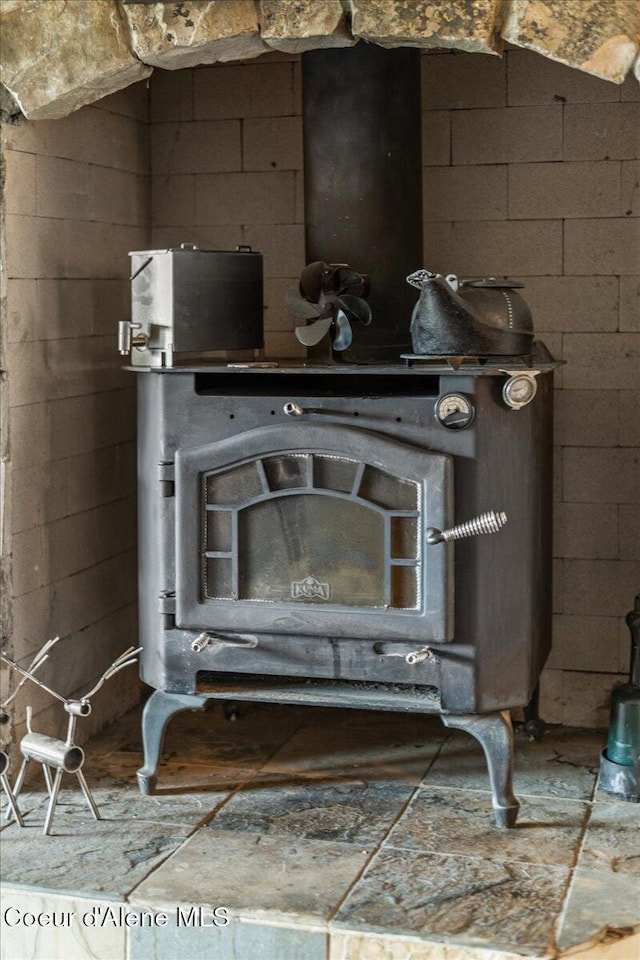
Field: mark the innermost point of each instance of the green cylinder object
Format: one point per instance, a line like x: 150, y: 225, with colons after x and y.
x: 623, y: 745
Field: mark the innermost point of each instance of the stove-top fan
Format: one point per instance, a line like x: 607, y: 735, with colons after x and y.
x: 330, y: 298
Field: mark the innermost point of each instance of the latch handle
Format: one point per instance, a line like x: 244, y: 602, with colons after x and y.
x: 489, y: 522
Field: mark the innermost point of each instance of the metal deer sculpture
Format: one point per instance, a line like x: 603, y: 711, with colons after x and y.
x: 63, y: 756
x: 41, y: 656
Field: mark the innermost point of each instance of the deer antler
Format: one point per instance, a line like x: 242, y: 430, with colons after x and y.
x: 29, y: 676
x: 41, y: 656
x: 126, y: 659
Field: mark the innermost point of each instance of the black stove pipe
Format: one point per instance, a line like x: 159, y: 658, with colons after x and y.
x: 363, y: 180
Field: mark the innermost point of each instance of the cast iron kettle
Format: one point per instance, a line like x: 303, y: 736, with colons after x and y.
x: 474, y: 317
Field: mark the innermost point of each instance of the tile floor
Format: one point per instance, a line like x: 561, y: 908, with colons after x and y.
x: 327, y: 835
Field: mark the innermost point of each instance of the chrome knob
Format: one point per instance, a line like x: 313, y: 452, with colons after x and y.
x: 293, y: 410
x: 489, y: 522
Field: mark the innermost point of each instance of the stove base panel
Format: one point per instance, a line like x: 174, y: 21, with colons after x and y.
x: 493, y: 730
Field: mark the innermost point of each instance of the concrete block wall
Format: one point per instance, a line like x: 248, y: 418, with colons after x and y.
x: 533, y: 169
x: 76, y: 200
x: 226, y: 164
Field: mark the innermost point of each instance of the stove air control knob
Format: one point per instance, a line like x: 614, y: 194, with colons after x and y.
x: 454, y: 411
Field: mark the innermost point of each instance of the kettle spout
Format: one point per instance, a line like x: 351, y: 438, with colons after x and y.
x: 442, y: 324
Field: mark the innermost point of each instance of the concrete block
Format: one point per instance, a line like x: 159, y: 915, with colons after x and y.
x: 247, y: 90
x: 436, y: 138
x: 272, y: 143
x: 119, y: 196
x: 586, y: 698
x: 557, y: 474
x: 64, y: 189
x: 29, y: 565
x: 20, y: 183
x: 566, y: 304
x: 601, y: 588
x: 583, y: 643
x: 551, y: 696
x: 629, y: 419
x: 80, y: 424
x: 462, y: 80
x: 281, y: 246
x: 276, y: 319
x: 99, y: 250
x: 33, y: 247
x: 22, y: 318
x: 602, y: 246
x: 297, y: 87
x: 437, y: 248
x: 586, y: 530
x: 208, y: 146
x: 209, y: 237
x: 516, y: 135
x: 532, y: 79
x: 82, y: 540
x: 28, y: 435
x: 545, y: 190
x: 257, y: 198
x: 607, y: 361
x: 132, y: 102
x: 630, y: 89
x: 39, y: 495
x: 587, y: 418
x: 299, y: 197
x: 173, y: 200
x: 629, y: 524
x: 601, y: 131
x: 98, y: 477
x: 465, y: 193
x: 519, y: 248
x: 171, y: 95
x: 630, y: 192
x: 557, y: 585
x: 630, y: 304
x: 593, y: 476
x: 283, y: 345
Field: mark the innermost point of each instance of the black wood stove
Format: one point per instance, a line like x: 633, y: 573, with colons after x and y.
x: 373, y: 532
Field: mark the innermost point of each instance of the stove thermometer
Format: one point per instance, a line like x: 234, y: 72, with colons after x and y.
x: 454, y: 411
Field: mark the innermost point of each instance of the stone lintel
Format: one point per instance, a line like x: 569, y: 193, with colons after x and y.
x: 293, y: 27
x: 601, y: 37
x: 58, y: 56
x: 193, y: 32
x: 470, y: 25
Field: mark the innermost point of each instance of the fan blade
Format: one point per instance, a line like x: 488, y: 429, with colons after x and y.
x: 344, y: 333
x: 347, y: 280
x: 311, y: 280
x: 314, y: 333
x: 356, y: 307
x: 299, y: 308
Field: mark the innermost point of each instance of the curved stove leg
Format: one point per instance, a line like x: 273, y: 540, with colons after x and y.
x: 495, y: 734
x: 159, y: 709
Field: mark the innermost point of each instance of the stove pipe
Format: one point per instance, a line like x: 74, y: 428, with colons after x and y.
x: 363, y: 180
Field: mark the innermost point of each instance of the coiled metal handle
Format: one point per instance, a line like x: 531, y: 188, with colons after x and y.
x: 489, y: 522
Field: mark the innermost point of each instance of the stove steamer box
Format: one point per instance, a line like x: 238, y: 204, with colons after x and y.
x: 187, y: 300
x: 289, y: 557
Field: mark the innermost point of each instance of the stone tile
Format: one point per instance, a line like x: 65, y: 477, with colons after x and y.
x: 600, y: 587
x: 70, y: 939
x: 262, y: 875
x: 460, y: 822
x: 354, y: 812
x: 20, y: 183
x: 582, y: 643
x: 629, y: 524
x: 543, y: 191
x: 573, y: 303
x: 531, y: 80
x: 586, y: 418
x: 520, y: 248
x: 630, y: 196
x: 436, y: 138
x: 612, y: 841
x: 595, y: 131
x: 455, y: 81
x: 602, y: 246
x: 586, y: 530
x: 599, y: 901
x: 256, y: 198
x: 371, y: 754
x: 517, y: 135
x: 461, y: 193
x: 208, y: 146
x: 247, y: 90
x: 344, y: 945
x: 629, y: 420
x: 93, y: 857
x: 590, y: 477
x: 630, y: 304
x: 503, y: 905
x: 272, y: 144
x: 564, y: 765
x: 238, y: 940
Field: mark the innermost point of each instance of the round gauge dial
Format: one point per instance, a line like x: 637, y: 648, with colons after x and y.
x: 519, y: 390
x: 454, y: 411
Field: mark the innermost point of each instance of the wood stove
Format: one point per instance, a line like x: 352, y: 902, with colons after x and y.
x: 334, y: 533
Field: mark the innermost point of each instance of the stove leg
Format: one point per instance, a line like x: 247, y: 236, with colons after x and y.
x: 494, y: 733
x: 159, y: 709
